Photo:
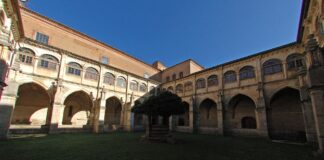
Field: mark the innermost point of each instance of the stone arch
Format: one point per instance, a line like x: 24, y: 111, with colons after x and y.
x: 77, y: 108
x: 113, y: 113
x: 240, y: 113
x: 208, y: 114
x: 183, y: 120
x: 285, y: 116
x: 31, y: 105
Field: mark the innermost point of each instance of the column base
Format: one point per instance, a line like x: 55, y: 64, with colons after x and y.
x: 50, y: 128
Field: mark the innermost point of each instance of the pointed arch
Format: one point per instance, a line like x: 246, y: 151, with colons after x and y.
x: 208, y: 114
x: 285, y: 116
x: 113, y: 113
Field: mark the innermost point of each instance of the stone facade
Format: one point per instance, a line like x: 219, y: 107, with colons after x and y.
x: 60, y: 80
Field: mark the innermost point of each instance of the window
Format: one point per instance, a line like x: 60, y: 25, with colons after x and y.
x: 133, y: 86
x: 26, y: 56
x: 121, y: 82
x: 167, y: 78
x: 179, y: 88
x: 174, y: 76
x: 181, y: 75
x: 104, y: 60
x: 230, y: 77
x: 74, y: 69
x: 142, y: 87
x: 212, y: 81
x: 146, y: 75
x: 42, y: 38
x: 188, y: 86
x: 48, y: 62
x: 91, y: 74
x: 109, y: 79
x: 152, y: 90
x: 295, y: 61
x: 247, y: 72
x: 201, y: 83
x: 272, y: 66
x: 170, y: 89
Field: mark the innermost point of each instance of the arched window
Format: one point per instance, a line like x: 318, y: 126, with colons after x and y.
x: 152, y: 90
x: 180, y: 74
x: 74, y: 68
x: 248, y: 123
x: 272, y: 66
x: 188, y: 86
x: 230, y: 77
x: 133, y: 85
x: 91, y: 74
x: 48, y: 62
x: 295, y: 61
x: 201, y: 83
x: 179, y: 88
x: 121, y: 82
x: 247, y: 72
x: 174, y: 76
x: 109, y: 79
x: 143, y: 87
x: 212, y: 81
x: 26, y: 56
x: 170, y: 89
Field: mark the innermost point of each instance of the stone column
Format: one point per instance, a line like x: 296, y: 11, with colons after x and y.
x: 54, y: 114
x: 318, y: 110
x: 261, y: 118
x: 220, y: 119
x: 309, y: 121
x: 191, y: 118
x: 7, y: 105
x: 6, y: 110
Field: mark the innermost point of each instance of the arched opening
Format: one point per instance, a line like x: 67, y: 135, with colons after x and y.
x: 208, y: 114
x: 77, y: 109
x: 240, y: 113
x: 285, y: 116
x: 113, y: 113
x: 138, y: 118
x: 31, y: 105
x: 183, y: 120
x: 49, y: 62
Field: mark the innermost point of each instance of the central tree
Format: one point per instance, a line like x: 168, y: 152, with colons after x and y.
x: 163, y: 104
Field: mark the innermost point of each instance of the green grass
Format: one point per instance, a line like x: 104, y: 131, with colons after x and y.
x: 122, y: 146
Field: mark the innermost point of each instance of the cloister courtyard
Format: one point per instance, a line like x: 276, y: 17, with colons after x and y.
x: 122, y: 145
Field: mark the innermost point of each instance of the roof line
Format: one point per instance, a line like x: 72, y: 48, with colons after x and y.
x: 240, y: 59
x: 303, y: 15
x: 85, y: 35
x: 184, y: 62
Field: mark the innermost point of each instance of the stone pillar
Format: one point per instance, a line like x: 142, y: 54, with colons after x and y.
x: 6, y: 110
x: 7, y: 105
x: 309, y: 121
x: 220, y: 118
x: 261, y: 118
x: 191, y: 118
x: 318, y: 110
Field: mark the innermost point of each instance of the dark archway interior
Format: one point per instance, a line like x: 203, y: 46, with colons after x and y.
x: 208, y: 114
x: 113, y: 112
x: 285, y: 116
x: 31, y: 105
x: 77, y: 109
x: 183, y: 120
x: 240, y: 113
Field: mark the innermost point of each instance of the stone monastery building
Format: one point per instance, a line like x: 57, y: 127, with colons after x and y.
x: 56, y: 79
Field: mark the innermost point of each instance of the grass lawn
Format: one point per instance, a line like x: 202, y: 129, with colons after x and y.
x: 120, y: 146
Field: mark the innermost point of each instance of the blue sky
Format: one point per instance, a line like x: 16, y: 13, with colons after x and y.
x: 209, y: 31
